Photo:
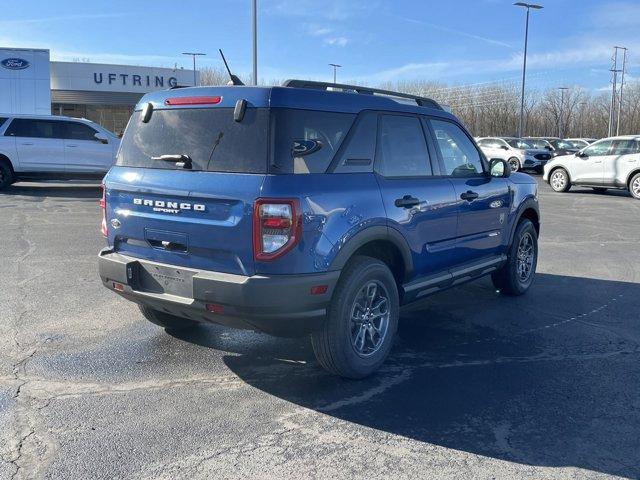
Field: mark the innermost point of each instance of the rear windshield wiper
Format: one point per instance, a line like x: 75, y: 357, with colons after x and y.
x: 181, y: 160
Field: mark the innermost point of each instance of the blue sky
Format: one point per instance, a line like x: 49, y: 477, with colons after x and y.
x: 455, y: 42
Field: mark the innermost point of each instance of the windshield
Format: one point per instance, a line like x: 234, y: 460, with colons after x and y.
x: 208, y: 137
x: 562, y: 145
x: 579, y: 143
x: 519, y: 143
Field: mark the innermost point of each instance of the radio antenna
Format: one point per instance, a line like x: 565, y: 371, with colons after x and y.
x: 233, y: 79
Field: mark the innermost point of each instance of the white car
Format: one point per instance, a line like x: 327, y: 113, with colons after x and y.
x: 608, y: 163
x: 53, y: 147
x: 517, y: 152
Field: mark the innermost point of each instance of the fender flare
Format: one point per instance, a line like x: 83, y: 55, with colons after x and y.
x: 529, y: 203
x: 371, y: 234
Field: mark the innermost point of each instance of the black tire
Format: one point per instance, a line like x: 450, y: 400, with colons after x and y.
x: 556, y: 182
x: 6, y: 175
x: 599, y: 189
x: 334, y: 345
x: 509, y: 279
x: 166, y: 320
x: 514, y: 163
x: 634, y: 186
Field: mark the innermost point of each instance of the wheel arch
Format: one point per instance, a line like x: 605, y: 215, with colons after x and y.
x: 529, y: 210
x: 5, y: 159
x: 556, y: 167
x: 630, y: 177
x: 384, y: 243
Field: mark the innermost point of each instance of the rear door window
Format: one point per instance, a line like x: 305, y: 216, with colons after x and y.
x: 79, y: 131
x: 30, y: 128
x: 625, y: 147
x: 208, y: 136
x: 2, y: 120
x: 307, y: 140
x: 402, y: 150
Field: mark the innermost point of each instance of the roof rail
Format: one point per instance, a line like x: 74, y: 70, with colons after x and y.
x: 421, y: 101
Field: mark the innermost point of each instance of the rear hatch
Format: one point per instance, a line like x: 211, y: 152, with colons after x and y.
x: 186, y: 177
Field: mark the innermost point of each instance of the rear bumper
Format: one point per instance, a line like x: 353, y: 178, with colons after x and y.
x: 280, y: 304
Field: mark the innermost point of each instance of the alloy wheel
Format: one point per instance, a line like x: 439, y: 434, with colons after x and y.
x: 514, y: 164
x: 369, y: 318
x: 526, y: 256
x: 558, y: 180
x: 635, y: 187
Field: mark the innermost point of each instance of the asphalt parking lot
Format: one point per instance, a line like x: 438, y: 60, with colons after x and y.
x: 477, y: 386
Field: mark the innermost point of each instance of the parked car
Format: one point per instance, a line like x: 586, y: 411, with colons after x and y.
x: 53, y: 147
x: 608, y: 163
x: 519, y: 153
x: 580, y: 143
x: 556, y: 146
x: 300, y: 209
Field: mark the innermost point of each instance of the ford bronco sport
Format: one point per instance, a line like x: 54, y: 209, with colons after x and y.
x: 309, y: 208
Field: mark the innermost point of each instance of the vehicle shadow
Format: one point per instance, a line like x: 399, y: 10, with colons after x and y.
x: 547, y: 379
x: 54, y: 190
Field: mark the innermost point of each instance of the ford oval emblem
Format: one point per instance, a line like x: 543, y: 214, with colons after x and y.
x: 15, y: 63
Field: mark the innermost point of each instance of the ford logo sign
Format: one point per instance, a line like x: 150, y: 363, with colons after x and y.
x: 14, y: 63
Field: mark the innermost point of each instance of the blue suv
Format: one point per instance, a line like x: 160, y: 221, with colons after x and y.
x: 310, y: 208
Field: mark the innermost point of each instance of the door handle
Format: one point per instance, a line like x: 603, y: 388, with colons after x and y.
x: 72, y: 146
x: 469, y: 195
x: 406, y: 202
x: 26, y: 144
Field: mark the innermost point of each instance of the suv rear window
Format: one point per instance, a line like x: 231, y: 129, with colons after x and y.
x: 307, y: 140
x: 2, y: 120
x: 209, y: 136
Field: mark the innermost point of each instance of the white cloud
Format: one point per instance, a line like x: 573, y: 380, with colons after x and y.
x: 336, y: 41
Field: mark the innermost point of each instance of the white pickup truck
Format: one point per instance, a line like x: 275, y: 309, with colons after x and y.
x: 53, y: 147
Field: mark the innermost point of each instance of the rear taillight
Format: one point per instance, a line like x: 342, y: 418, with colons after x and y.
x: 103, y: 207
x: 193, y: 100
x: 276, y: 227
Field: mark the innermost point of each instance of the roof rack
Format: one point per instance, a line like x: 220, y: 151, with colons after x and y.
x: 421, y: 101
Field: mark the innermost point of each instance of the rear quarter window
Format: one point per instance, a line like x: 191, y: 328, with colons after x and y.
x: 307, y: 140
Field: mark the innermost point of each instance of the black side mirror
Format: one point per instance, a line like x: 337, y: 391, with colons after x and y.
x: 549, y: 148
x: 504, y: 147
x: 581, y: 154
x: 499, y: 168
x: 101, y: 138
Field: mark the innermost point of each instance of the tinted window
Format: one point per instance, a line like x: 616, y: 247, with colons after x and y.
x: 24, y: 127
x: 459, y: 155
x: 598, y: 149
x: 209, y: 136
x: 624, y: 147
x: 307, y: 140
x: 79, y: 131
x: 403, y: 150
x: 2, y: 120
x: 359, y: 152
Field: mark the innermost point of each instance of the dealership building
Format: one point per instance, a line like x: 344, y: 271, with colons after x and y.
x: 32, y: 84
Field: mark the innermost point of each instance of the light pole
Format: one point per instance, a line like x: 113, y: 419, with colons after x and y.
x: 582, y: 105
x: 194, y: 55
x: 528, y: 6
x: 624, y: 65
x: 335, y: 67
x: 562, y: 90
x: 254, y: 29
